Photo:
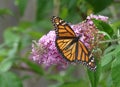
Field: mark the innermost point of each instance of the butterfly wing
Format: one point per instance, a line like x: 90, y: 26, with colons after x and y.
x: 77, y: 52
x: 67, y: 50
x: 62, y: 29
x: 85, y: 57
x: 64, y: 38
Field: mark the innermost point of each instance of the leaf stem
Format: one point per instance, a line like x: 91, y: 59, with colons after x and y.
x: 108, y: 41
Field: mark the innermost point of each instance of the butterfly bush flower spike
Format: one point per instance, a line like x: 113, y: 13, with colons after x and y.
x: 88, y: 31
x: 45, y: 52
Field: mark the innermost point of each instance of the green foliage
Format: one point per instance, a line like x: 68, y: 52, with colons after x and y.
x: 13, y: 37
x: 34, y: 66
x: 21, y: 5
x: 15, y: 50
x: 115, y: 69
x: 99, y: 5
x: 94, y: 76
x: 9, y: 79
x: 73, y: 84
x: 6, y: 64
x: 111, y: 53
x: 108, y: 55
x: 43, y: 9
x: 103, y: 26
x: 5, y: 12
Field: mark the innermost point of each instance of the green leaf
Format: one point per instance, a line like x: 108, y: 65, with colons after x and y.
x: 25, y: 24
x: 110, y: 49
x: 110, y: 55
x: 3, y: 52
x: 6, y: 64
x: 64, y: 12
x: 79, y: 83
x: 10, y: 37
x: 42, y: 24
x: 109, y: 81
x: 43, y: 9
x: 99, y: 5
x: 35, y: 67
x: 106, y: 59
x: 107, y: 36
x: 116, y: 25
x: 55, y: 77
x: 9, y: 79
x: 103, y: 26
x: 36, y: 35
x: 21, y: 5
x: 115, y: 71
x: 41, y: 4
x: 94, y: 76
x: 62, y: 76
x: 5, y: 11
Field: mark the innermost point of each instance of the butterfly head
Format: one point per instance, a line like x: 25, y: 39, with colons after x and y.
x: 55, y: 20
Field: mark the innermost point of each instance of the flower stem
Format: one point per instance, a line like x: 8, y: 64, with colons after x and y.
x: 56, y: 7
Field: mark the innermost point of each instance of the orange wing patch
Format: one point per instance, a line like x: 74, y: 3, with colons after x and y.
x: 69, y: 53
x: 66, y: 49
x: 62, y: 44
x: 65, y: 31
x: 83, y: 47
x: 62, y: 28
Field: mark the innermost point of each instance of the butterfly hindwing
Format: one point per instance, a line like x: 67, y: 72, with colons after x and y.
x: 66, y: 50
x: 85, y: 56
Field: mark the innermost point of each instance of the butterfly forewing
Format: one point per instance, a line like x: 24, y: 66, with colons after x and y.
x: 62, y: 28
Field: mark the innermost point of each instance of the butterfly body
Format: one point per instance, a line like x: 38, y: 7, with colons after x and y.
x: 69, y: 45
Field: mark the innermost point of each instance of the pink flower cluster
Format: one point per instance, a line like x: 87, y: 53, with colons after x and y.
x: 45, y: 52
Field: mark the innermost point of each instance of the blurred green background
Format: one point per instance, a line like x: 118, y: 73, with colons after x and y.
x: 22, y: 21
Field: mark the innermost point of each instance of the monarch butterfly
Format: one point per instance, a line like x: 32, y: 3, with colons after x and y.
x: 69, y: 45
